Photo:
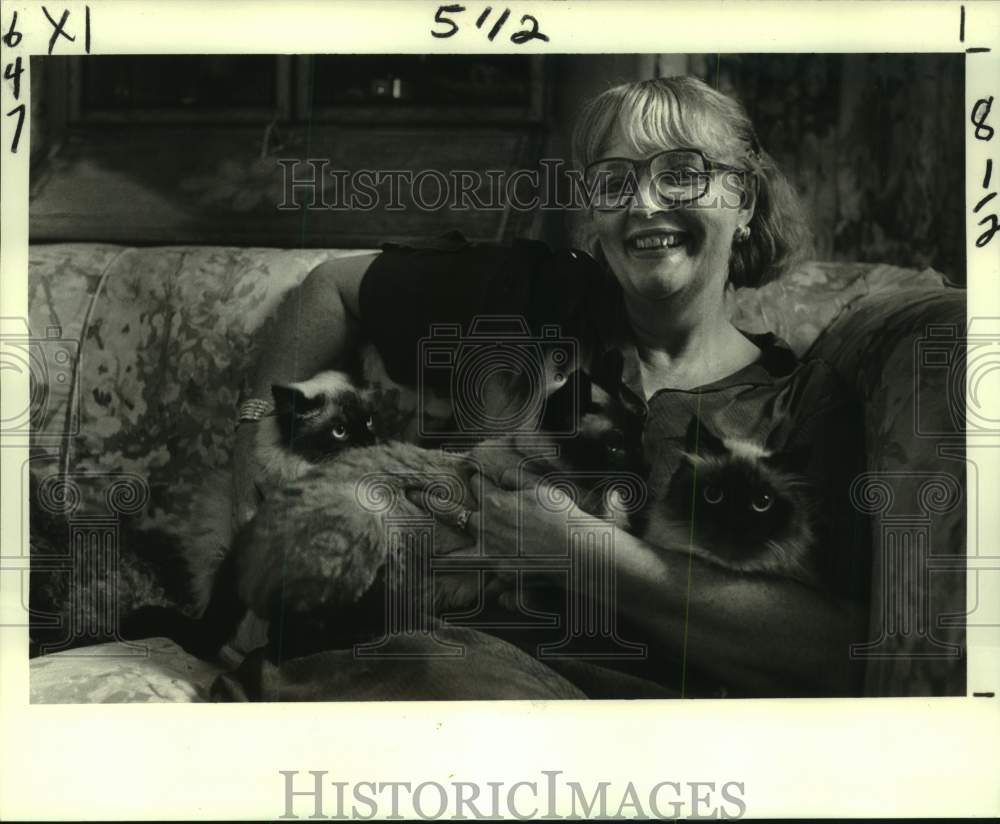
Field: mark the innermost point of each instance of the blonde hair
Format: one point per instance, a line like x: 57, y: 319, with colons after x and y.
x: 683, y: 111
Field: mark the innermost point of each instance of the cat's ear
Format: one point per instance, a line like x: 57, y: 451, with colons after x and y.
x: 290, y: 401
x: 779, y: 434
x: 699, y: 440
x: 793, y: 458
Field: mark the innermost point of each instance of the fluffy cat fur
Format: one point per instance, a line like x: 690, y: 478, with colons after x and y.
x: 311, y: 561
x: 314, y: 420
x: 739, y: 504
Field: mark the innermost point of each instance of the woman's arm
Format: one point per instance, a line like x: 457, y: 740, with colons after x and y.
x: 769, y: 636
x: 314, y: 327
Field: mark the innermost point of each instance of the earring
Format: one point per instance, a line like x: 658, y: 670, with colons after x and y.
x: 741, y: 234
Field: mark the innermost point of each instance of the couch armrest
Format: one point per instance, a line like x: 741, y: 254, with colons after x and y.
x: 914, y: 484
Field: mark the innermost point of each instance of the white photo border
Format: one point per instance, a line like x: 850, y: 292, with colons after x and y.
x: 808, y: 758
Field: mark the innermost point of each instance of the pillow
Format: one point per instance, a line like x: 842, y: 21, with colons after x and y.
x: 121, y: 673
x: 802, y: 304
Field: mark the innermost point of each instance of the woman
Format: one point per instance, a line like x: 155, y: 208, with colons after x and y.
x: 684, y: 206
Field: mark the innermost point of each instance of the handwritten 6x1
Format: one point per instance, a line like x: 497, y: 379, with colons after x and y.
x: 12, y: 71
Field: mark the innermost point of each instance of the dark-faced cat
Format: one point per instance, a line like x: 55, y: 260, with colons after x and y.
x: 313, y: 421
x: 317, y: 555
x: 312, y: 560
x: 740, y: 504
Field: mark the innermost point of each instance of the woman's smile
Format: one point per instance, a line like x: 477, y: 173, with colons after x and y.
x: 655, y: 240
x: 657, y: 258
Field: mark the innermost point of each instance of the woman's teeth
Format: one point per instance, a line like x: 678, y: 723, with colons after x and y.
x: 667, y: 240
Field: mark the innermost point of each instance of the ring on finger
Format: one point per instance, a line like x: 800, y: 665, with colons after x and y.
x: 462, y: 521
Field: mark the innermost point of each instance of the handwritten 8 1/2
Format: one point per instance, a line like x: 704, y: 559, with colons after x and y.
x: 984, y: 131
x: 485, y: 16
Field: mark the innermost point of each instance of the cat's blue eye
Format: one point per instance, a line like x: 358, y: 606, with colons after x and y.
x: 762, y: 503
x: 339, y: 432
x: 712, y: 494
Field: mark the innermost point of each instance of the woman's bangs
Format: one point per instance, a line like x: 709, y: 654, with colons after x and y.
x: 653, y: 119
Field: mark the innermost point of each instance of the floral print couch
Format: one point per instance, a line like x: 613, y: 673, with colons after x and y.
x: 136, y: 356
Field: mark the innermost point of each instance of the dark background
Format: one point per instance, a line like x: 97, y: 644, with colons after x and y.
x: 182, y: 149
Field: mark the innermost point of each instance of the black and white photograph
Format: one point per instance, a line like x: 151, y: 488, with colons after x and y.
x: 514, y: 374
x: 307, y: 397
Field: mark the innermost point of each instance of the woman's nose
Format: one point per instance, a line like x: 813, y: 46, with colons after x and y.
x: 645, y: 199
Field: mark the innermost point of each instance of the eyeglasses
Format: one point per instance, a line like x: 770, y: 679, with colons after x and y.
x: 677, y: 176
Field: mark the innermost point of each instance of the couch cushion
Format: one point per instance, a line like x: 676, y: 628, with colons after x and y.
x: 915, y: 486
x: 803, y: 303
x: 154, y: 670
x: 169, y: 336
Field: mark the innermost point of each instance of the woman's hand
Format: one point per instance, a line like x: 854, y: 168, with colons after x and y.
x: 527, y: 524
x: 531, y: 522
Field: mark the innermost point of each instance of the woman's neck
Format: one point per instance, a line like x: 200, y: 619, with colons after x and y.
x: 686, y: 348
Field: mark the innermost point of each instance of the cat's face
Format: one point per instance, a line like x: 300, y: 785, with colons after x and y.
x: 322, y: 416
x: 731, y: 500
x: 738, y: 495
x: 601, y: 444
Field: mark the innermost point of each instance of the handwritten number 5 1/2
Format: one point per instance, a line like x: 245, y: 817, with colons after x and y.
x: 518, y: 38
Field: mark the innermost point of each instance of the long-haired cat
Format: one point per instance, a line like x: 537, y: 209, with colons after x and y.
x: 313, y: 421
x: 313, y: 559
x: 739, y: 504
